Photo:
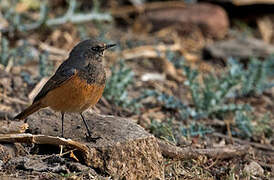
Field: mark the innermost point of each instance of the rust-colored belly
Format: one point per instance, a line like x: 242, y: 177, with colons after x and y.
x: 75, y: 95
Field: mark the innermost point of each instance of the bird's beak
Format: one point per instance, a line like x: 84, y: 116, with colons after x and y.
x: 109, y: 46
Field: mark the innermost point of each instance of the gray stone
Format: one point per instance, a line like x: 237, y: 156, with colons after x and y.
x: 242, y: 48
x: 253, y: 168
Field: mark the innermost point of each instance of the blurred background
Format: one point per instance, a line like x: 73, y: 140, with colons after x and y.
x: 195, y: 73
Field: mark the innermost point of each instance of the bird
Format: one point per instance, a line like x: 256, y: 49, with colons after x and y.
x: 77, y: 84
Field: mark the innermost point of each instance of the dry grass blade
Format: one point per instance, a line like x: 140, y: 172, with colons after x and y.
x: 53, y: 50
x: 13, y: 99
x: 38, y: 87
x: 149, y: 51
x: 155, y: 52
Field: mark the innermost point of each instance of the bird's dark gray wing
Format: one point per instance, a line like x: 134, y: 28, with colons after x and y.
x: 62, y: 75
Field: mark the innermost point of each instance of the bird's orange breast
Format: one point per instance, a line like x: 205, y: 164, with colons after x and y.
x: 74, y: 95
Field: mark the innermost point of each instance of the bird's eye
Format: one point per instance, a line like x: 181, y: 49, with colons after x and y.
x: 97, y: 48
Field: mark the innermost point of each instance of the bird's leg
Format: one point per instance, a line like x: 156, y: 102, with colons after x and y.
x: 63, y: 114
x: 89, y: 138
x: 89, y: 134
x: 61, y: 146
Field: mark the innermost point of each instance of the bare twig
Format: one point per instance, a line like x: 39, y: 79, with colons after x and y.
x: 256, y: 145
x: 9, y: 65
x: 106, y: 103
x: 229, y: 131
x: 171, y: 151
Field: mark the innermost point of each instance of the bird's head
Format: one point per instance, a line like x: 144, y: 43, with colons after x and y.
x: 90, y: 50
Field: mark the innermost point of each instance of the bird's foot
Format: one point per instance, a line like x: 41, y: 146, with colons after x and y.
x: 89, y: 138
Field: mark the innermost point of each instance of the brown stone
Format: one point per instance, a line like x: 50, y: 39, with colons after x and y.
x: 124, y: 150
x: 242, y: 48
x: 211, y: 19
x: 245, y: 2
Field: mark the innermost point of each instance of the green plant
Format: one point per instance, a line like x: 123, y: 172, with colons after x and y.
x: 117, y: 84
x: 19, y: 55
x: 17, y: 21
x: 243, y: 27
x: 255, y: 77
x: 195, y: 129
x: 168, y: 102
x: 243, y: 123
x: 23, y: 53
x: 175, y: 58
x: 162, y: 130
x: 210, y: 97
x: 5, y: 52
x: 263, y: 126
x: 45, y: 66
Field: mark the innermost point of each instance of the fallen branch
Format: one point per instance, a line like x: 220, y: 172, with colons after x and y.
x: 43, y: 139
x: 174, y: 152
x: 256, y: 145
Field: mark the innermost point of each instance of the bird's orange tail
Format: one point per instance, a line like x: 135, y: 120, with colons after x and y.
x: 33, y: 108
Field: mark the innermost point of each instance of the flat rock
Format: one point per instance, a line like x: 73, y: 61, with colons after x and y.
x: 241, y: 48
x: 124, y: 149
x: 211, y: 19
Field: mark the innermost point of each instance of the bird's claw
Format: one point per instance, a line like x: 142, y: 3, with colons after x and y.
x: 92, y: 139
